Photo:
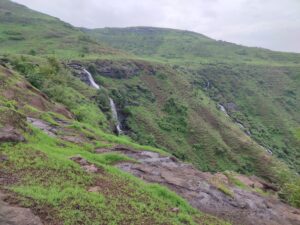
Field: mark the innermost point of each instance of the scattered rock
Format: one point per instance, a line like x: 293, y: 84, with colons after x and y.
x: 94, y: 189
x: 13, y: 215
x: 247, y: 208
x: 90, y: 168
x: 44, y: 126
x: 3, y: 158
x: 87, y: 166
x: 81, y: 161
x: 10, y: 134
x: 175, y: 210
x: 73, y: 139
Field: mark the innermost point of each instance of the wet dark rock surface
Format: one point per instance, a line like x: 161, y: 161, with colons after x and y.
x: 242, y: 207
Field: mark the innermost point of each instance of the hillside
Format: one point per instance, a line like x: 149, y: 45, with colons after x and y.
x: 186, y: 47
x: 24, y: 31
x: 143, y: 126
x: 258, y: 87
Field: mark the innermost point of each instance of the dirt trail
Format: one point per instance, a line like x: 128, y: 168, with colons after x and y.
x: 13, y: 215
x: 244, y: 207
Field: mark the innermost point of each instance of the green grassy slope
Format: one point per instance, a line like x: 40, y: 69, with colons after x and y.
x: 25, y: 31
x: 267, y: 103
x: 162, y: 97
x: 39, y: 173
x: 185, y: 47
x: 261, y: 84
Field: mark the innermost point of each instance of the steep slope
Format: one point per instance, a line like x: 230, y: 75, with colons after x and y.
x: 70, y: 149
x: 49, y: 162
x: 257, y: 87
x: 25, y: 31
x: 185, y: 46
x: 66, y: 172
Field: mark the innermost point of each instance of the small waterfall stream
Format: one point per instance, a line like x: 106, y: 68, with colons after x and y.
x: 115, y: 115
x: 222, y: 108
x: 111, y: 102
x: 207, y: 85
x: 91, y: 79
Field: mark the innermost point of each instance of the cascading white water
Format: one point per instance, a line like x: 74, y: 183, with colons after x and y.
x: 91, y: 79
x: 207, y: 85
x: 222, y: 108
x: 111, y: 102
x: 115, y: 115
x: 241, y: 126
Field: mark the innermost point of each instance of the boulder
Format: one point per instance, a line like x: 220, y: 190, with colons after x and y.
x: 9, y: 134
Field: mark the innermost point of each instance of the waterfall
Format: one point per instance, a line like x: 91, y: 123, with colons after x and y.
x: 115, y: 115
x: 207, y: 85
x: 269, y: 151
x: 244, y: 128
x: 91, y: 79
x: 222, y: 108
x: 111, y: 102
x: 241, y: 126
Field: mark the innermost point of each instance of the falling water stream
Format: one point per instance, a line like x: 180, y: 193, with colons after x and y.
x: 91, y: 79
x: 115, y: 115
x: 222, y: 108
x: 111, y: 102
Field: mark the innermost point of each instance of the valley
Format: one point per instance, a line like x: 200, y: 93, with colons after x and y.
x: 143, y: 125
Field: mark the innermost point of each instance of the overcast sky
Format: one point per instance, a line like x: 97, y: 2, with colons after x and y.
x: 273, y: 24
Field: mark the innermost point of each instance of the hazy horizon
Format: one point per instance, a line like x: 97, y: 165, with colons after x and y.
x: 271, y: 24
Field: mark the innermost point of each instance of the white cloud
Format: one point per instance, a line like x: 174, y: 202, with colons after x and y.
x: 273, y: 24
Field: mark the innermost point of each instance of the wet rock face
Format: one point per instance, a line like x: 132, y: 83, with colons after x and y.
x: 117, y: 71
x: 78, y: 71
x: 230, y: 106
x: 112, y: 69
x: 242, y: 207
x: 13, y: 215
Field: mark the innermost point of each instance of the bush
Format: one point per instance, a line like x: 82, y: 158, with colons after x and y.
x: 291, y: 193
x: 102, y: 100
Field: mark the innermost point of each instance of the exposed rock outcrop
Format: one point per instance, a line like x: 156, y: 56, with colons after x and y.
x: 207, y: 192
x: 113, y: 69
x: 11, y: 125
x: 14, y: 215
x: 10, y: 134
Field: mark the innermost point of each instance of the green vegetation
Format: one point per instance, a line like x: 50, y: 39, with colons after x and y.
x: 167, y: 89
x: 122, y: 199
x: 185, y: 47
x: 258, y: 88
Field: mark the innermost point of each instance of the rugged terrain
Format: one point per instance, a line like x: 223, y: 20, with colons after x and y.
x: 208, y: 131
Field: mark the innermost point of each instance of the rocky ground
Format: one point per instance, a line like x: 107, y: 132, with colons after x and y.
x: 211, y: 193
x: 207, y: 192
